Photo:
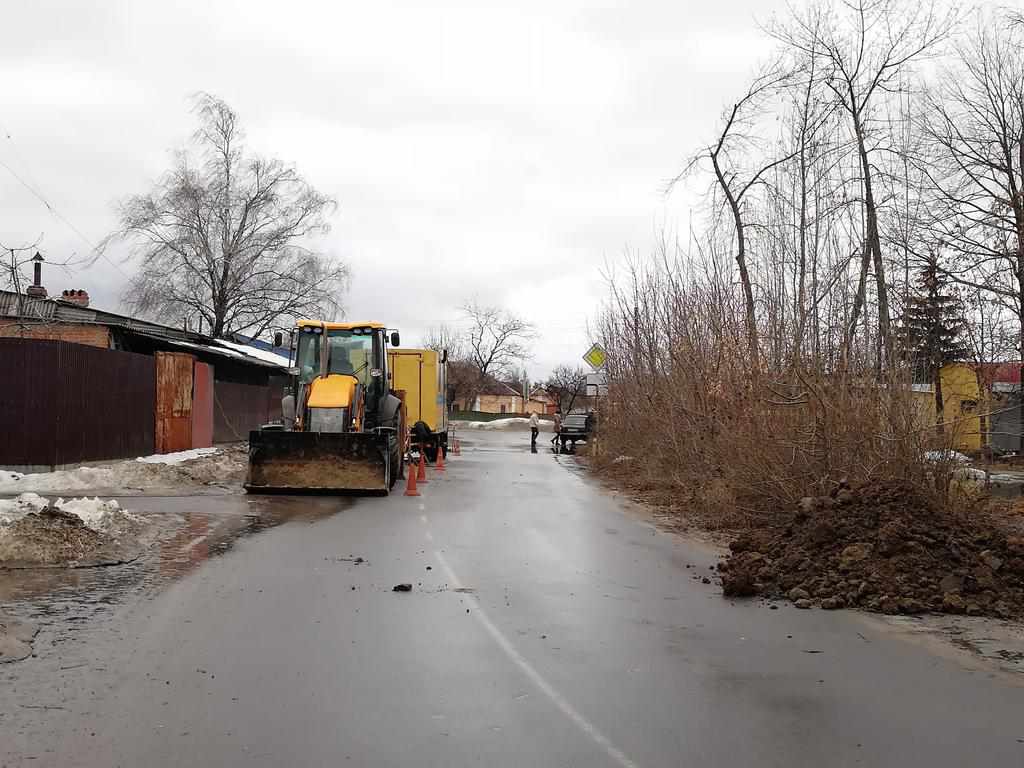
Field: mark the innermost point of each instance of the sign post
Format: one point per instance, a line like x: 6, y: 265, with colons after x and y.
x: 596, y: 357
x: 597, y: 382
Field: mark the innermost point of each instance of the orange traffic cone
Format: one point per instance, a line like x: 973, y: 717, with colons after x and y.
x: 421, y: 470
x: 439, y: 464
x: 410, y: 485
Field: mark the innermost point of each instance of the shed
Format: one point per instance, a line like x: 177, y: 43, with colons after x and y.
x: 202, y: 390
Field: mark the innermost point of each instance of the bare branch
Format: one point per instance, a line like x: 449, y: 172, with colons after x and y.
x: 222, y: 237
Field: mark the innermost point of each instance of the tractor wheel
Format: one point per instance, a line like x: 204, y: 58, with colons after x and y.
x: 396, y: 469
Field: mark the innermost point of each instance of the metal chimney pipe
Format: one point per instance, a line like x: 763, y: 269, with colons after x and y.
x: 36, y: 290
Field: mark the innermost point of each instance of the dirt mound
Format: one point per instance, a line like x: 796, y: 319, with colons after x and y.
x: 226, y: 468
x: 54, y: 536
x: 883, y: 548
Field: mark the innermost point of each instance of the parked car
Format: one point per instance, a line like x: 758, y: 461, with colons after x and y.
x: 576, y: 428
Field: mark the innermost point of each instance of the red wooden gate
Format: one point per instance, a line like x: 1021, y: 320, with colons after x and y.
x: 173, y: 401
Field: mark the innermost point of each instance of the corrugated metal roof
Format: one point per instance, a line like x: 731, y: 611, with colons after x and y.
x: 55, y: 310
x: 211, y: 349
x: 18, y: 305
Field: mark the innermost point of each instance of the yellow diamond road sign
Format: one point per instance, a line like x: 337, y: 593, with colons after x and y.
x: 596, y: 356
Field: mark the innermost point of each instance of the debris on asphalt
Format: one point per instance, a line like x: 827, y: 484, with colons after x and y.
x: 402, y: 588
x: 15, y: 639
x: 885, y: 548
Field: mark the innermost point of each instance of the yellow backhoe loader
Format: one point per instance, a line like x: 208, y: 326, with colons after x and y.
x: 341, y: 422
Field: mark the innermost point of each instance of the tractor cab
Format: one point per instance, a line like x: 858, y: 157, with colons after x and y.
x: 341, y: 376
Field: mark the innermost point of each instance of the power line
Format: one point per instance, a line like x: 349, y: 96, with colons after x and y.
x: 57, y: 214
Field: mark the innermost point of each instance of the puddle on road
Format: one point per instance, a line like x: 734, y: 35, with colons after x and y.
x: 190, y: 530
x: 79, y: 611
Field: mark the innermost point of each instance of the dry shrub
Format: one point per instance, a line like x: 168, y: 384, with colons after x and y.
x: 736, y: 440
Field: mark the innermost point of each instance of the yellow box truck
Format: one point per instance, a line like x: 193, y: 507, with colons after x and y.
x: 422, y: 375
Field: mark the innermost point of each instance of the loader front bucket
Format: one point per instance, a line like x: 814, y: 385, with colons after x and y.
x: 317, y: 462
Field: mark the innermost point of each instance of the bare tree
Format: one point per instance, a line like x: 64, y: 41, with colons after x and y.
x: 463, y: 382
x: 16, y: 276
x: 14, y: 266
x: 445, y: 338
x: 990, y: 339
x: 863, y: 47
x: 462, y: 374
x: 975, y: 120
x: 222, y: 239
x: 567, y: 384
x: 496, y: 342
x: 733, y: 141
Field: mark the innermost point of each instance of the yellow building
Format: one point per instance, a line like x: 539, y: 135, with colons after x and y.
x: 961, y: 395
x: 499, y: 402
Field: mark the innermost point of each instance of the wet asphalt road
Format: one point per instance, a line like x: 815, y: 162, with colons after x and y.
x: 546, y: 627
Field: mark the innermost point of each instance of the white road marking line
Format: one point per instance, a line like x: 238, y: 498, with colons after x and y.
x: 430, y: 537
x: 535, y: 677
x: 423, y: 519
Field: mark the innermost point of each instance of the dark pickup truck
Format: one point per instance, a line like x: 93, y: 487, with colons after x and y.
x: 576, y: 428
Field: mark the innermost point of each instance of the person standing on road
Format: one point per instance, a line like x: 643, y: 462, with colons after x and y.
x: 556, y: 428
x: 534, y: 429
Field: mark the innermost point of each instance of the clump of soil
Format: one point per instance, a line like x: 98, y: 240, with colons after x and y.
x: 56, y: 537
x: 882, y: 547
x: 226, y: 467
x: 15, y: 639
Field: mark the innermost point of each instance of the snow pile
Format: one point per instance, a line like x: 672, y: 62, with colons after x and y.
x: 177, y: 458
x: 198, y: 467
x: 99, y: 515
x: 73, y: 533
x: 517, y: 421
x: 954, y: 457
x: 80, y: 479
x: 102, y: 516
x: 15, y: 509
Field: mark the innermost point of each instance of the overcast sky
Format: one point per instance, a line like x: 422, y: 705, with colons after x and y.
x: 503, y: 152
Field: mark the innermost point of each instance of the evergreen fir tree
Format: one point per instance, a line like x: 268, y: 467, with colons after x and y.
x: 932, y: 330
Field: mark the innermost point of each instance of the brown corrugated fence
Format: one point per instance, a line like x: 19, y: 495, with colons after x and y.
x: 237, y: 408
x: 64, y: 403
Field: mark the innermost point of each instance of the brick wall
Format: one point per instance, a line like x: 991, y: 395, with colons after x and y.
x: 89, y: 335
